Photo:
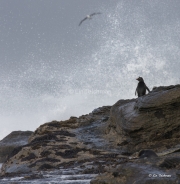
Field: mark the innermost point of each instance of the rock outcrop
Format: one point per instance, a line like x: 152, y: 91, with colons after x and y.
x: 11, y: 141
x: 61, y: 143
x: 134, y: 141
x: 138, y: 172
x: 151, y: 121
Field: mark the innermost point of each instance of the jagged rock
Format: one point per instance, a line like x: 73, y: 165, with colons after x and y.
x: 56, y: 143
x: 136, y: 173
x: 11, y: 141
x: 151, y: 121
x: 125, y: 143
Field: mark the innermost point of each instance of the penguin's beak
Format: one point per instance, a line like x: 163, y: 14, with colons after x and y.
x: 137, y: 79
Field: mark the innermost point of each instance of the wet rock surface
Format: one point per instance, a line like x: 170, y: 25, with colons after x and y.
x: 164, y: 169
x: 77, y: 142
x: 151, y: 121
x: 134, y: 141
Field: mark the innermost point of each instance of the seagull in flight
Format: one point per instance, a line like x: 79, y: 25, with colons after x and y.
x: 88, y: 17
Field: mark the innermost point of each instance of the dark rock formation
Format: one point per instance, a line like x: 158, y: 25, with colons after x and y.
x: 59, y: 142
x: 147, y: 154
x: 11, y: 141
x: 134, y: 141
x: 137, y: 173
x: 151, y: 121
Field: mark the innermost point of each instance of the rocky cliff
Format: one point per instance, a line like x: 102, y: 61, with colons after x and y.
x: 151, y: 121
x: 11, y: 141
x: 134, y: 141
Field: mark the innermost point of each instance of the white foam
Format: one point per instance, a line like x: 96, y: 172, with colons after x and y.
x: 129, y: 43
x: 16, y: 178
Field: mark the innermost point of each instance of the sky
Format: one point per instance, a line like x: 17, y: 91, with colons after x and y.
x: 52, y: 69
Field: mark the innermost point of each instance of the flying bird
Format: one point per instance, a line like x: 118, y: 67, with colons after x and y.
x: 88, y: 17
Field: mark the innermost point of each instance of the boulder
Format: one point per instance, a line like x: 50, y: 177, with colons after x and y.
x: 137, y: 173
x: 11, y: 141
x: 148, y: 122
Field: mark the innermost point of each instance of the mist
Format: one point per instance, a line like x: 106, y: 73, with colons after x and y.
x: 52, y: 69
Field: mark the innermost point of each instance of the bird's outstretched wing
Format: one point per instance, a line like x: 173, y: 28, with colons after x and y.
x: 95, y: 14
x: 82, y: 21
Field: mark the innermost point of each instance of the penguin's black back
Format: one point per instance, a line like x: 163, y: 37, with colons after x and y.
x: 141, y: 89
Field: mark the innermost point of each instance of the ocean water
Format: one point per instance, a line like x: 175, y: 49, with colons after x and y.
x: 98, y: 67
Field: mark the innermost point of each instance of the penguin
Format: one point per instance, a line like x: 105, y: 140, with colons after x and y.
x: 141, y: 88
